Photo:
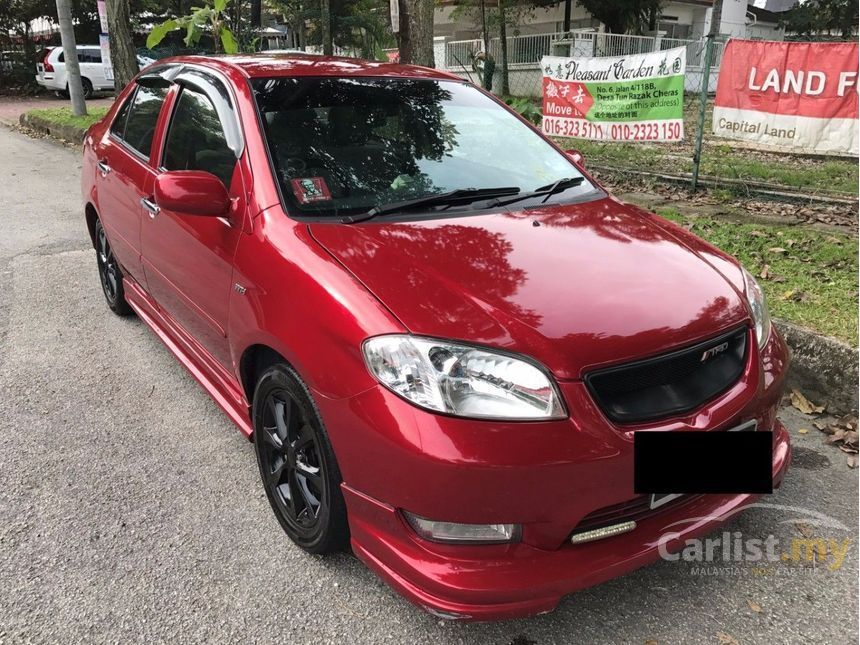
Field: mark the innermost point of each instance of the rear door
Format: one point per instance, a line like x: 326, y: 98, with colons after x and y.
x: 189, y: 259
x: 90, y: 59
x: 124, y: 171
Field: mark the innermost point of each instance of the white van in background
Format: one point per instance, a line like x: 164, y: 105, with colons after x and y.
x: 51, y: 70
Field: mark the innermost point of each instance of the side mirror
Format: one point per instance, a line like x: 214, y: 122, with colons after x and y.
x: 576, y: 156
x: 191, y: 192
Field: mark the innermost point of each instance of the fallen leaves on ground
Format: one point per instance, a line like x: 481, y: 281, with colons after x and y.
x: 755, y: 606
x: 804, y: 529
x: 842, y: 433
x: 726, y: 639
x: 803, y: 404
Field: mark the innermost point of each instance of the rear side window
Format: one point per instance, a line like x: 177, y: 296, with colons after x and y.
x: 196, y: 139
x: 90, y: 56
x: 142, y: 117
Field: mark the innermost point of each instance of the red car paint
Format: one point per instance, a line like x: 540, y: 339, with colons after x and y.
x: 574, y: 286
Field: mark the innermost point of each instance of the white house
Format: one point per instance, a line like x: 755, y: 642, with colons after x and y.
x: 681, y: 19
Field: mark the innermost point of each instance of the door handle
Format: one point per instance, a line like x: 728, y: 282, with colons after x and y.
x: 150, y: 206
x: 104, y: 169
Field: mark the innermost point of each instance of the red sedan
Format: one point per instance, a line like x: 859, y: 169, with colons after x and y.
x: 440, y: 331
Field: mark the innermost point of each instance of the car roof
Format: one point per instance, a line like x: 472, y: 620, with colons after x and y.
x: 301, y: 64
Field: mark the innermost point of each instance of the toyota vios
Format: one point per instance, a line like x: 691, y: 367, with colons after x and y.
x: 439, y: 330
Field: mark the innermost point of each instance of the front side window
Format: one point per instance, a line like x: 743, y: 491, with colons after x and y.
x: 348, y: 145
x: 195, y: 140
x: 143, y: 117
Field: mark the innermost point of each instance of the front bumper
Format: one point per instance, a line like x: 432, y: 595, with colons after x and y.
x: 545, y: 476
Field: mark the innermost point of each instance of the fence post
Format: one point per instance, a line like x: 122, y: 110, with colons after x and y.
x: 703, y: 106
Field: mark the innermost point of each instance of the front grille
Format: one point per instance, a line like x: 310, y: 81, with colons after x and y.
x: 672, y: 383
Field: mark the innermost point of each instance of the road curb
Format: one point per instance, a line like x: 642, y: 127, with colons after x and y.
x: 823, y: 368
x: 71, y: 133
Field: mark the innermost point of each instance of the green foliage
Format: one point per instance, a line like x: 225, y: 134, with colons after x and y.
x: 210, y: 18
x: 359, y: 25
x: 526, y: 108
x: 624, y: 16
x: 817, y: 17
x: 809, y: 276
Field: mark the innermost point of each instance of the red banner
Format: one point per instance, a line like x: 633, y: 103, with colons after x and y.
x: 798, y: 96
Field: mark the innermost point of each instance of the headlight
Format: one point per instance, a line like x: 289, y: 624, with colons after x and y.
x: 758, y: 308
x: 462, y: 380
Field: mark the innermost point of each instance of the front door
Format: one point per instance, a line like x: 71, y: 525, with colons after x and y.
x: 188, y: 259
x: 124, y: 172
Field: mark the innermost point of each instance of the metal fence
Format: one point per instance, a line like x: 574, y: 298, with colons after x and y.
x: 524, y: 54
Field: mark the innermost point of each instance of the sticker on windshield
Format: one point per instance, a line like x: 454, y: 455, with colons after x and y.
x: 310, y: 189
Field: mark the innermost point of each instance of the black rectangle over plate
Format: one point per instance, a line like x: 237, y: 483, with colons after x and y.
x: 702, y: 462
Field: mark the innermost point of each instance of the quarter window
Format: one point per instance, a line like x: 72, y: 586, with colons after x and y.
x: 196, y: 139
x: 117, y: 128
x: 143, y: 117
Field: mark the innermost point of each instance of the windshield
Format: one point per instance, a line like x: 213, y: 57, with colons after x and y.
x: 348, y: 145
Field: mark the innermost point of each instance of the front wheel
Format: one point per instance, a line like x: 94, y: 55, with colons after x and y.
x: 110, y: 274
x: 298, y: 468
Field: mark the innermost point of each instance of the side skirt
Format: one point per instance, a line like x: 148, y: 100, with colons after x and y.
x: 224, y: 390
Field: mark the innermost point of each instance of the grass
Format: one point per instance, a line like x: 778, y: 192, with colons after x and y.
x: 64, y: 116
x: 810, y: 276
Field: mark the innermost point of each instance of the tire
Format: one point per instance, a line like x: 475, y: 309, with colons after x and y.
x: 297, y: 465
x: 110, y: 275
x: 87, y: 87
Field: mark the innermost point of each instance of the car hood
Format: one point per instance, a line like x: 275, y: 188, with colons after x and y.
x: 574, y: 286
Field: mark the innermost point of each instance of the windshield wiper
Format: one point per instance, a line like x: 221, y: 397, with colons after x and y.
x: 544, y: 191
x: 452, y: 197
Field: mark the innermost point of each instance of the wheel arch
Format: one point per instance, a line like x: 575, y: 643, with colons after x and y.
x: 254, y: 360
x: 91, y: 216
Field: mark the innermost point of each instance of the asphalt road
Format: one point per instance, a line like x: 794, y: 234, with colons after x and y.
x: 130, y: 508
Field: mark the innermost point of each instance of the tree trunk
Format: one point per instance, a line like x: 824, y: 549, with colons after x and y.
x: 256, y: 16
x: 416, y: 32
x: 503, y: 44
x: 325, y: 19
x: 70, y: 51
x: 567, y: 7
x: 122, y: 52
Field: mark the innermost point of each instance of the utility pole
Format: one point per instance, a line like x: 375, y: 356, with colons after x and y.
x: 70, y: 51
x: 566, y: 27
x: 716, y: 18
x: 325, y: 19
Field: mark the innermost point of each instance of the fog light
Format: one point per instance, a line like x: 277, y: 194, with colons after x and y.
x: 450, y: 532
x: 599, y: 534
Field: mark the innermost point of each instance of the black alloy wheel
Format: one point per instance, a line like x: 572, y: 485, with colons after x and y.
x: 297, y: 466
x: 110, y: 274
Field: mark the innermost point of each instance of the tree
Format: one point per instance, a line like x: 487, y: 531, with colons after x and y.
x: 416, y: 32
x: 623, y: 16
x: 122, y: 51
x: 210, y: 17
x: 822, y: 17
x: 325, y: 27
x: 73, y: 70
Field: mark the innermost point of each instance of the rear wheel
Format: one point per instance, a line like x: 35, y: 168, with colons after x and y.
x: 298, y: 468
x: 87, y: 88
x: 110, y: 274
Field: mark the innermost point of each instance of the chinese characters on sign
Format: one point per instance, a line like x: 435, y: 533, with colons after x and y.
x: 626, y: 98
x: 796, y: 96
x: 104, y: 41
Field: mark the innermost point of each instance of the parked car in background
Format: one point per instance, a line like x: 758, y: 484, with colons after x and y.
x: 51, y: 70
x: 440, y: 331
